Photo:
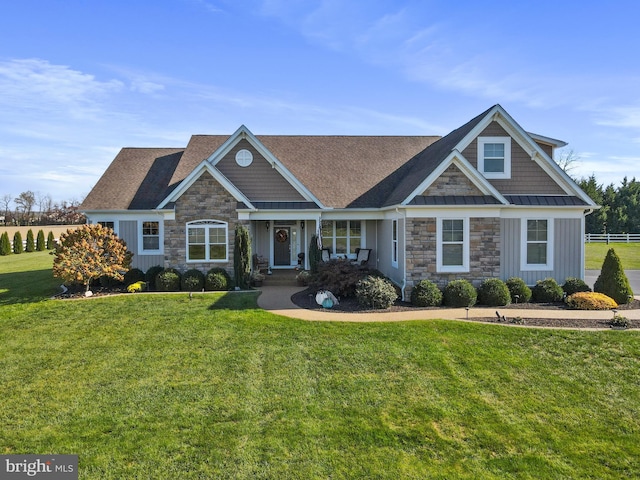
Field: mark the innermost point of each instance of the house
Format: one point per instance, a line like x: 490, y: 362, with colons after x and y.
x: 486, y: 200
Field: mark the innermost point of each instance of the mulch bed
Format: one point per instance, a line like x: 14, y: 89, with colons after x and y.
x: 306, y: 299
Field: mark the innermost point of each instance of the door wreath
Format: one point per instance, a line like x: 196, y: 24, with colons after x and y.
x: 281, y: 235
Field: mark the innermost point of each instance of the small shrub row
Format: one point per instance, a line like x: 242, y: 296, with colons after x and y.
x: 32, y: 244
x: 172, y: 280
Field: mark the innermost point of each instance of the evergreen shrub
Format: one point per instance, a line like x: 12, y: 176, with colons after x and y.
x: 612, y: 280
x: 17, y: 243
x: 376, y: 292
x: 168, y: 280
x: 5, y: 244
x: 493, y: 292
x: 192, y: 280
x: 547, y: 291
x: 51, y: 241
x: 590, y: 301
x: 518, y: 290
x: 40, y: 246
x: 217, y: 279
x: 426, y: 294
x: 134, y: 275
x: 30, y: 244
x: 150, y: 276
x: 460, y: 293
x: 574, y: 285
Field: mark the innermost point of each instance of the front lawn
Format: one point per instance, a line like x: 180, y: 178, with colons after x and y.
x: 629, y: 254
x: 164, y: 387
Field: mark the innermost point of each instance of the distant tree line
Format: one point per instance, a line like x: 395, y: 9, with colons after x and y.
x: 620, y: 206
x: 30, y: 208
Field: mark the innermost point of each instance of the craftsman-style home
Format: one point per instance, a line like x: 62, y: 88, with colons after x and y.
x: 486, y: 200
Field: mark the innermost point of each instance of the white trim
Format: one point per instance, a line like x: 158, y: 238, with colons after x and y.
x: 526, y: 267
x: 206, y: 223
x: 140, y: 226
x: 396, y: 242
x: 506, y: 172
x: 464, y: 268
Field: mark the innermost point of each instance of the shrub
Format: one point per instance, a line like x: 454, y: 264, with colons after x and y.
x: 134, y: 275
x: 518, y: 290
x: 217, y: 279
x: 107, y: 281
x: 17, y: 243
x: 493, y: 292
x: 51, y: 241
x: 137, y: 287
x: 5, y: 244
x: 426, y: 294
x: 574, y: 285
x: 168, y: 280
x: 192, y: 280
x: 150, y: 276
x: 459, y: 293
x: 620, y: 322
x: 315, y: 255
x: 30, y: 244
x: 590, y: 301
x: 338, y: 276
x: 547, y: 291
x: 612, y: 280
x: 241, y: 257
x: 376, y: 292
x: 40, y: 241
x: 303, y: 278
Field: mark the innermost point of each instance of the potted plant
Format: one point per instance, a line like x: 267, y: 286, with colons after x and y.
x: 257, y: 279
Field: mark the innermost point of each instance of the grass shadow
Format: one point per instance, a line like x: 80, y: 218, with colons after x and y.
x: 243, y: 300
x: 27, y: 287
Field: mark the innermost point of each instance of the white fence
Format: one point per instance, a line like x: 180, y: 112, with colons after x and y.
x: 612, y: 237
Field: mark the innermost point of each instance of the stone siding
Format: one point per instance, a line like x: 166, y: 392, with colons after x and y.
x: 452, y: 182
x: 484, y: 248
x: 206, y: 199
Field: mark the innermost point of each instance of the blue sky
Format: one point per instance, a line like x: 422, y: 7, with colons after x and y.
x: 81, y: 79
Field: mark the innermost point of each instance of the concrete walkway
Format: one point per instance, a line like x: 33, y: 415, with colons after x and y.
x: 277, y: 299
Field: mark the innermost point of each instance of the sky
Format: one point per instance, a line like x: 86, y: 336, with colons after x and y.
x: 81, y: 79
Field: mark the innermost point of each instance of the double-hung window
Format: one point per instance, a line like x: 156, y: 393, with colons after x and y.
x: 207, y: 241
x: 394, y: 243
x: 537, y: 251
x: 452, y: 253
x: 494, y: 157
x: 150, y: 237
x: 342, y: 237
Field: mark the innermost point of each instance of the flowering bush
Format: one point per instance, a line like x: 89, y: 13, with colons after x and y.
x: 591, y: 301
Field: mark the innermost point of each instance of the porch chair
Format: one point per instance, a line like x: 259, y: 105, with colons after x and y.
x: 259, y: 263
x: 362, y: 257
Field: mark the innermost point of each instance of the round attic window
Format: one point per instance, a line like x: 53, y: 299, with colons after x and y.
x: 244, y: 158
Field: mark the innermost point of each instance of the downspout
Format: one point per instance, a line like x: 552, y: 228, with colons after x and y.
x: 404, y: 253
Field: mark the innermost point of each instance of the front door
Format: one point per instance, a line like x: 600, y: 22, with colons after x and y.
x: 282, y: 246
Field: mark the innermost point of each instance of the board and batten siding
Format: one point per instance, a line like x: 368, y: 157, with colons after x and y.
x: 567, y: 248
x: 128, y: 231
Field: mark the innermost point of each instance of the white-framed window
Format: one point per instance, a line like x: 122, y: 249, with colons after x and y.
x: 342, y: 237
x: 207, y: 241
x: 107, y: 224
x: 537, y: 245
x: 244, y: 157
x: 150, y: 237
x: 452, y: 251
x: 494, y: 157
x: 394, y: 243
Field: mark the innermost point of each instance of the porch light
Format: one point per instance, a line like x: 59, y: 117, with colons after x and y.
x: 266, y: 224
x: 302, y: 224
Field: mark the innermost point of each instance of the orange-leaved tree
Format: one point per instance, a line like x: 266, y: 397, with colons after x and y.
x: 88, y: 253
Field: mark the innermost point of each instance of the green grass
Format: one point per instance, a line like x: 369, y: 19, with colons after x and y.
x: 27, y: 278
x: 160, y: 386
x: 629, y: 254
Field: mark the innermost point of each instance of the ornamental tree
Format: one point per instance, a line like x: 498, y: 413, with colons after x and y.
x: 89, y: 252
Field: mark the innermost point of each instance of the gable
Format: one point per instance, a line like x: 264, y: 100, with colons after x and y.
x: 259, y: 181
x: 452, y: 182
x: 527, y: 176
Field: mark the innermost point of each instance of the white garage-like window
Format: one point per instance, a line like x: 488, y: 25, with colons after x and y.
x: 207, y: 241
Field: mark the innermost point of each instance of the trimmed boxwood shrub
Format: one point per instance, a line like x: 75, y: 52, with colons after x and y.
x: 192, y: 280
x: 376, y: 292
x: 168, y: 280
x: 426, y: 294
x: 546, y: 291
x: 150, y: 276
x: 518, y: 290
x: 217, y: 279
x: 574, y: 285
x: 460, y: 293
x: 591, y: 301
x: 493, y: 292
x: 134, y: 275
